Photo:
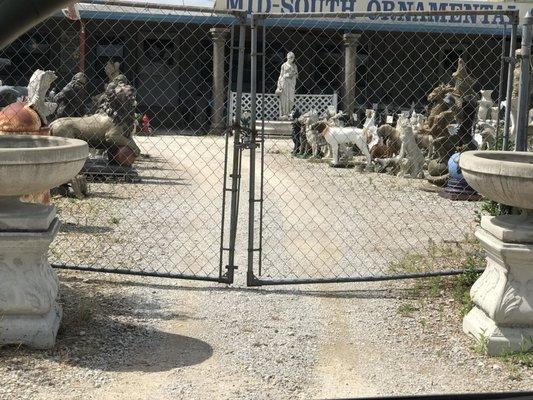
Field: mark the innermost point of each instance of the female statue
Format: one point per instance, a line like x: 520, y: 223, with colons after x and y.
x: 287, y: 86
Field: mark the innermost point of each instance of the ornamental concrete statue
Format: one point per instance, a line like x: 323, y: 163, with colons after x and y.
x: 286, y: 89
x: 110, y: 128
x: 72, y: 99
x: 485, y: 105
x: 112, y: 70
x: 464, y: 82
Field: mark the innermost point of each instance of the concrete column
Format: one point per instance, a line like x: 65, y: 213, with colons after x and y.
x: 350, y: 52
x: 219, y: 36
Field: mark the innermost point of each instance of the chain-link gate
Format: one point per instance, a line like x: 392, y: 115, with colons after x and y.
x: 410, y: 93
x: 203, y: 95
x: 158, y: 199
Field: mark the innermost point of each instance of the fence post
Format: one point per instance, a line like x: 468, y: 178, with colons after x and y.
x: 522, y: 114
x: 510, y: 78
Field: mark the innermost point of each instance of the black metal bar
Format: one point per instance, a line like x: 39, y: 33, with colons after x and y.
x: 81, y: 267
x: 262, y: 143
x: 255, y: 281
x: 236, y: 166
x: 509, y: 88
x: 253, y: 135
x: 226, y: 157
x: 522, y: 112
x: 500, y: 85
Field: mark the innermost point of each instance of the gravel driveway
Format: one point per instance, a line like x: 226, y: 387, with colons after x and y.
x: 139, y: 337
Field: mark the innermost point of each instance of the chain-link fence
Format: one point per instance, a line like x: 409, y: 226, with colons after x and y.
x: 413, y: 92
x: 346, y: 146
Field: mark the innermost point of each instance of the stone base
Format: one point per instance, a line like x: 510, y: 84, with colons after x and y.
x: 29, y: 313
x: 100, y: 170
x: 499, y: 340
x: 276, y: 129
x: 458, y: 190
x: 503, y: 294
x: 37, y: 331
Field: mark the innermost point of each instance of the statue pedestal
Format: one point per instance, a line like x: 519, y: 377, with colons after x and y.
x: 503, y: 316
x: 29, y: 313
x: 276, y: 129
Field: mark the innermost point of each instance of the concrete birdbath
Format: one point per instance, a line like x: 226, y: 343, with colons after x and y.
x: 503, y: 295
x: 29, y: 313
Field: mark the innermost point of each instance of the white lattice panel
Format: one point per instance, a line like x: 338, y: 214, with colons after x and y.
x: 304, y: 103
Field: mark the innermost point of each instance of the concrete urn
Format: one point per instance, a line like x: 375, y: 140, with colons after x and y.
x: 29, y: 313
x: 503, y: 295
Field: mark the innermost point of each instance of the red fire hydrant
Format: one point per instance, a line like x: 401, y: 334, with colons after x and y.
x: 145, y: 122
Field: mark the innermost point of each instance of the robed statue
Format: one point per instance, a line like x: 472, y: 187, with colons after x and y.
x: 286, y: 89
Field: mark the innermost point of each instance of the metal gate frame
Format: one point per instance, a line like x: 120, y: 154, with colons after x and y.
x: 255, y: 240
x: 232, y: 186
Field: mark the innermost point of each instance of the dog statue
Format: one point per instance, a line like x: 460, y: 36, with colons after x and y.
x: 337, y: 137
x: 410, y: 161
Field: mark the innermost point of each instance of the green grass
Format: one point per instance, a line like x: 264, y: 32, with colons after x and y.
x: 465, y: 255
x: 468, y: 256
x: 406, y: 310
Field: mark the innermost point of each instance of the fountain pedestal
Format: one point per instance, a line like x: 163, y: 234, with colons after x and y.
x: 29, y: 311
x: 503, y: 295
x: 503, y: 316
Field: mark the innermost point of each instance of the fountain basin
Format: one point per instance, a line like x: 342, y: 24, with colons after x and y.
x: 502, y: 176
x: 32, y: 163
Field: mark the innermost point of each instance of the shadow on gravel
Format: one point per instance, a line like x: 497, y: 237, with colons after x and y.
x: 106, y: 195
x: 106, y: 328
x: 386, y: 293
x: 84, y: 229
x: 165, y: 351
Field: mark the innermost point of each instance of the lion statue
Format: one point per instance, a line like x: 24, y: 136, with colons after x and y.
x: 111, y: 127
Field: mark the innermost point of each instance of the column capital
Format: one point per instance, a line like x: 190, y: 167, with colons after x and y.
x: 351, y: 39
x: 219, y: 34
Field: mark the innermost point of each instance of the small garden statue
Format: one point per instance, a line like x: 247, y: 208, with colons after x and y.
x: 286, y: 89
x: 110, y: 128
x: 72, y: 99
x: 297, y: 128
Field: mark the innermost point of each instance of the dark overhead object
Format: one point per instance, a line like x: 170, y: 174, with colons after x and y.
x: 18, y: 16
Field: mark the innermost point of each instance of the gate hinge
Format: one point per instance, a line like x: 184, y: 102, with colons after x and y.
x: 227, y: 277
x: 231, y: 268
